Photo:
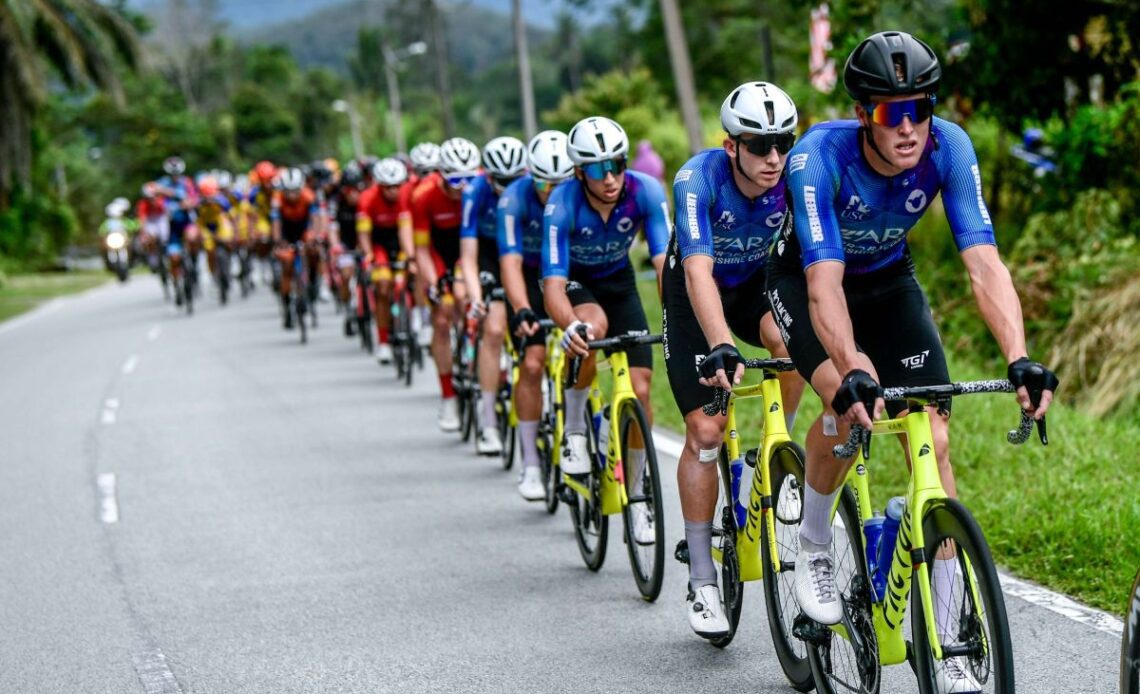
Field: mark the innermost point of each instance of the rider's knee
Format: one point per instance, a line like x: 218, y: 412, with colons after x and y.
x: 704, y: 434
x: 534, y: 363
x: 641, y: 379
x: 493, y: 331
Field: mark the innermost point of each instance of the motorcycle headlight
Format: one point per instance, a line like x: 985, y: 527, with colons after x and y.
x: 116, y: 240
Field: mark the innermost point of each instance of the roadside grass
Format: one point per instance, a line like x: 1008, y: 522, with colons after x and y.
x: 1065, y: 516
x: 23, y: 292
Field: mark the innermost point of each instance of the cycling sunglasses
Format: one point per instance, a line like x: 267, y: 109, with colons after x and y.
x: 890, y: 113
x: 501, y: 182
x: 597, y: 170
x: 760, y: 145
x: 459, y: 180
x: 542, y: 185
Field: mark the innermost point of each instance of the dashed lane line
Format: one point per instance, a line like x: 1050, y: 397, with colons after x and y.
x: 130, y: 364
x: 108, y: 501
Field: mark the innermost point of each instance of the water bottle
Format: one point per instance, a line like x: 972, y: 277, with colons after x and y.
x: 736, y: 467
x: 602, y: 421
x: 886, y: 551
x: 873, y: 534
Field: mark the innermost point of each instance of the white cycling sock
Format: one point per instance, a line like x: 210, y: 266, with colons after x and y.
x: 945, y: 601
x: 488, y: 402
x: 528, y: 441
x: 575, y: 401
x: 815, y: 530
x: 702, y: 570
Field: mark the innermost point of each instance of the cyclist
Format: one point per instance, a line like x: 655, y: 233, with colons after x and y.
x: 504, y: 160
x: 377, y: 222
x: 345, y: 241
x: 425, y: 162
x: 213, y: 213
x: 842, y: 286
x: 436, y: 213
x: 730, y: 204
x: 588, y: 281
x: 293, y: 215
x: 154, y: 222
x: 181, y: 198
x: 260, y: 208
x: 520, y: 267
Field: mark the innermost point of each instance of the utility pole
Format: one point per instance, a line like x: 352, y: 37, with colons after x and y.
x: 682, y: 73
x: 526, y: 86
x: 441, y: 67
x: 391, y: 76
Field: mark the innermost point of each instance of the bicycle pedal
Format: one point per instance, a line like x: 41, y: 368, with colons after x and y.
x: 810, y: 631
x: 681, y: 553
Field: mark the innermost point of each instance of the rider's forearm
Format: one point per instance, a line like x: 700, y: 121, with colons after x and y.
x: 468, y: 254
x: 276, y: 231
x: 558, y: 305
x: 426, y: 266
x: 659, y: 265
x: 406, y: 237
x: 829, y: 317
x: 997, y: 299
x: 514, y: 284
x: 705, y: 299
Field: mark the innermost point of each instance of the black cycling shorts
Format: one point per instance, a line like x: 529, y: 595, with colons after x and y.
x: 890, y: 317
x: 618, y: 297
x: 293, y: 231
x: 533, y: 279
x: 489, y: 264
x: 685, y: 343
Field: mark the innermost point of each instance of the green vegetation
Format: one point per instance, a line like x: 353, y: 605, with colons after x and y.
x: 23, y: 292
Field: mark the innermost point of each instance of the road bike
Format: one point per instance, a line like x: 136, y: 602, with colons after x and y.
x: 849, y: 656
x: 406, y: 351
x: 617, y: 425
x: 361, y: 300
x: 551, y: 424
x: 1130, y: 644
x: 757, y: 538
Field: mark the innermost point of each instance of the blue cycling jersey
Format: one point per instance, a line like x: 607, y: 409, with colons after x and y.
x: 182, y: 188
x: 714, y: 218
x: 843, y: 210
x: 520, y: 222
x: 575, y: 237
x: 479, y: 204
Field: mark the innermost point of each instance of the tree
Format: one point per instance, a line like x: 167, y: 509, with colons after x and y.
x: 83, y: 41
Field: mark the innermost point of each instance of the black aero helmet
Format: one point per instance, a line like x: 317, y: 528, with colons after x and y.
x: 891, y: 63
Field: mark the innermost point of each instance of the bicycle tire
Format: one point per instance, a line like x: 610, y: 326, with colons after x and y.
x: 298, y: 307
x: 550, y: 472
x: 507, y: 433
x: 1130, y: 644
x: 786, y: 476
x: 591, y: 527
x: 188, y: 292
x: 649, y: 566
x: 724, y: 536
x: 860, y: 669
x: 948, y: 519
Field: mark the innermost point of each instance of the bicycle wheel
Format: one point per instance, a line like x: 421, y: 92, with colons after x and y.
x: 724, y: 532
x: 299, y: 309
x: 786, y: 475
x: 507, y: 433
x: 591, y: 526
x: 1130, y: 645
x: 643, y: 489
x: 840, y: 663
x: 974, y: 618
x: 548, y: 424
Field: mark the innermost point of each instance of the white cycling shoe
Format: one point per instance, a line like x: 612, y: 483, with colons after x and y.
x: 575, y: 455
x: 384, y: 353
x: 954, y: 677
x: 489, y: 442
x: 706, y: 612
x: 530, y: 485
x: 815, y: 587
x: 448, y: 415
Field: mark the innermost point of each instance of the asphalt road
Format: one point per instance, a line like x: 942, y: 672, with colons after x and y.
x: 288, y: 519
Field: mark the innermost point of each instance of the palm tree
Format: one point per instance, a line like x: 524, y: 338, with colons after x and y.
x: 81, y: 42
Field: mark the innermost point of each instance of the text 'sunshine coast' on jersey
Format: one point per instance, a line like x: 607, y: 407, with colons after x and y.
x: 714, y: 218
x: 520, y: 222
x: 479, y: 205
x: 576, y: 237
x: 843, y: 210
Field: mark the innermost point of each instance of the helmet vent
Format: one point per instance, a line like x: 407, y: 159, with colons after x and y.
x: 770, y: 109
x: 751, y: 123
x: 899, y: 60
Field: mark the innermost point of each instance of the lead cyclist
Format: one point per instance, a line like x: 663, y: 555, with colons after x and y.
x: 842, y: 287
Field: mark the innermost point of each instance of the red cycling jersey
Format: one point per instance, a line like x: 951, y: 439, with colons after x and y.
x: 436, y: 217
x: 379, y: 218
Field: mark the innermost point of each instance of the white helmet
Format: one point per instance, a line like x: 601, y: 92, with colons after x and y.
x: 390, y: 172
x: 425, y: 156
x: 224, y: 178
x: 548, y: 157
x: 760, y: 108
x: 291, y: 179
x: 596, y: 138
x: 115, y: 209
x: 504, y: 157
x: 458, y: 155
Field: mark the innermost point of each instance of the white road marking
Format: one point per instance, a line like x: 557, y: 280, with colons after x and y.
x: 108, y: 504
x: 130, y: 364
x: 154, y: 332
x: 110, y: 410
x: 669, y: 445
x: 154, y: 674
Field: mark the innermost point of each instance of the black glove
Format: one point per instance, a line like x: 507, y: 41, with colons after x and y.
x: 524, y: 315
x: 724, y: 356
x: 1034, y: 376
x: 857, y: 386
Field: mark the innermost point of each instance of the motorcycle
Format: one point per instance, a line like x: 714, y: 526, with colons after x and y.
x: 116, y: 254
